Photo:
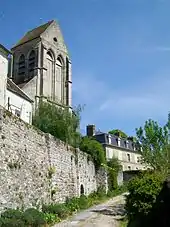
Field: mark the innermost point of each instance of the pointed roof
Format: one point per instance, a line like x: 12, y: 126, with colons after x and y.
x: 33, y: 34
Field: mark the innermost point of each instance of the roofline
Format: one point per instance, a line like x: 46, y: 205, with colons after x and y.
x: 11, y: 90
x: 27, y: 98
x: 5, y: 49
x: 50, y: 22
x: 121, y: 148
x: 24, y: 43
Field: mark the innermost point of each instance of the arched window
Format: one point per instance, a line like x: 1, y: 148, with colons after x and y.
x: 31, y: 61
x: 59, y: 80
x: 81, y: 190
x: 50, y: 70
x: 21, y: 65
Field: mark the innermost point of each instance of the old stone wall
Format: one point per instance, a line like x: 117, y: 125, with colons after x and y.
x: 37, y: 168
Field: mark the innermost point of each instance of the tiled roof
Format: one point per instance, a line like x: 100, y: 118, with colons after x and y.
x: 35, y: 33
x: 15, y: 89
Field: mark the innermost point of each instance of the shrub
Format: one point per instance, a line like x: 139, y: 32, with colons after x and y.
x: 11, y: 222
x: 51, y: 218
x: 34, y: 217
x: 11, y: 213
x: 61, y: 210
x: 73, y: 204
x: 83, y: 202
x: 143, y: 191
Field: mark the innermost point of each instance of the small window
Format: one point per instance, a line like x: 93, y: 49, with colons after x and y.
x: 128, y: 157
x: 55, y: 39
x: 17, y: 113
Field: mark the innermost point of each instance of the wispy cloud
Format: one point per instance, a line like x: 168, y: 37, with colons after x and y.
x: 153, y: 49
x: 147, y: 99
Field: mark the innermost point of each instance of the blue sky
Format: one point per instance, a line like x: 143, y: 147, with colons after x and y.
x: 120, y: 51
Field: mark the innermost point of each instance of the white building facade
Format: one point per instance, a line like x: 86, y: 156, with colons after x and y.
x: 125, y: 150
x: 12, y: 97
x: 3, y: 73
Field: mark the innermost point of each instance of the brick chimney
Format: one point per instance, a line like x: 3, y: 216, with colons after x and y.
x: 90, y: 130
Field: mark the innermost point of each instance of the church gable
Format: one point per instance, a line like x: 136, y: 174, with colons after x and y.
x: 53, y: 36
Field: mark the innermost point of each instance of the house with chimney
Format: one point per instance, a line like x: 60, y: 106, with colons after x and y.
x: 125, y: 150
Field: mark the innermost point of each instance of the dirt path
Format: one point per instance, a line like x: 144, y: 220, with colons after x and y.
x: 103, y: 215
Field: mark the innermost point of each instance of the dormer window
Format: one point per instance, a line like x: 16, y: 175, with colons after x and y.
x: 127, y: 144
x: 109, y: 139
x: 134, y: 146
x: 118, y: 141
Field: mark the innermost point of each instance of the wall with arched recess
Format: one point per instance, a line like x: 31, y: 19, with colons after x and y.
x: 37, y: 168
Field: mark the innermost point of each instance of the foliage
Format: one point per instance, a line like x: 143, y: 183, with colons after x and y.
x: 153, y: 140
x: 61, y: 210
x: 59, y: 122
x: 124, y: 223
x: 33, y: 217
x: 15, y: 218
x: 53, y: 213
x: 118, y: 132
x: 118, y: 191
x: 114, y: 168
x: 51, y: 218
x: 95, y: 149
x: 143, y: 191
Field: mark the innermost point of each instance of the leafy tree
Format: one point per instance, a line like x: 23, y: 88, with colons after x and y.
x: 59, y: 122
x: 153, y: 140
x: 94, y: 149
x: 114, y: 167
x: 117, y: 131
x: 143, y: 191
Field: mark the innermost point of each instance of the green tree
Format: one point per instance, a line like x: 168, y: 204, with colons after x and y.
x: 153, y: 140
x: 143, y: 191
x: 94, y: 149
x: 59, y: 122
x: 114, y: 167
x: 118, y: 132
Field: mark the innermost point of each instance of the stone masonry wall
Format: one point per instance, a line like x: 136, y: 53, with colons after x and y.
x: 37, y: 168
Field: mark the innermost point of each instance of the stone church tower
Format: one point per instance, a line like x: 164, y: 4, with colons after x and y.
x: 41, y: 65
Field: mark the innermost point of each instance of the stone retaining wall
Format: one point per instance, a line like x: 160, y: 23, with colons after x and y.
x: 37, y: 168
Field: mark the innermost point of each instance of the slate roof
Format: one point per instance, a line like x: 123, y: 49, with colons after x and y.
x: 103, y: 138
x: 33, y: 34
x: 11, y: 86
x: 5, y: 49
